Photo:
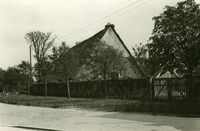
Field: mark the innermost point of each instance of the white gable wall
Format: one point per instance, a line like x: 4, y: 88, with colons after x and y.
x: 111, y: 38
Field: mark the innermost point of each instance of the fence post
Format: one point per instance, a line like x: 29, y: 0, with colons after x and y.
x: 152, y: 88
x: 169, y: 89
x: 18, y: 86
x: 68, y: 88
x: 45, y: 86
x: 106, y: 89
x: 28, y: 85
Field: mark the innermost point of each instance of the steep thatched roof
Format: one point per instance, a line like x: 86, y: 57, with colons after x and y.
x: 83, y: 48
x: 88, y: 43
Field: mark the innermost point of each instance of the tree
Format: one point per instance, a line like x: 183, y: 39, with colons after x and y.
x: 140, y: 53
x: 12, y: 77
x: 2, y: 75
x: 65, y: 63
x: 24, y: 68
x: 15, y: 75
x: 41, y: 43
x: 175, y: 40
x: 176, y: 37
x: 105, y: 59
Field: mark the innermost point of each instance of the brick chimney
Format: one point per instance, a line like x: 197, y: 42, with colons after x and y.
x: 108, y: 25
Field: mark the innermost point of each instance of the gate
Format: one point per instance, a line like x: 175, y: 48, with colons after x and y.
x: 169, y: 89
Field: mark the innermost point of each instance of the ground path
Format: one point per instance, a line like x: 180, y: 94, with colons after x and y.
x: 17, y: 118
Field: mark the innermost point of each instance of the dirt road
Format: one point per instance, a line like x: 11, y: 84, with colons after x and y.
x: 17, y: 118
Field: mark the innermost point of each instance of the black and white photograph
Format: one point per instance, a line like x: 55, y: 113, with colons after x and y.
x: 99, y: 65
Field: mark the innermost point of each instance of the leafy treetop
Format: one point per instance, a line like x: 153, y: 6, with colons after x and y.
x: 175, y: 40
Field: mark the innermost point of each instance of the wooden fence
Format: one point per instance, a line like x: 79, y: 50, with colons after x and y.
x: 160, y: 89
x: 174, y: 89
x: 117, y: 89
x: 14, y: 86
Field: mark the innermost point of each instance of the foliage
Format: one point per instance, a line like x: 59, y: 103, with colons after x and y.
x: 64, y: 61
x: 197, y: 71
x: 12, y: 75
x: 105, y: 59
x: 57, y: 51
x: 11, y: 78
x: 175, y: 40
x: 46, y: 71
x: 140, y: 53
x: 24, y: 70
x: 41, y: 43
x: 2, y: 74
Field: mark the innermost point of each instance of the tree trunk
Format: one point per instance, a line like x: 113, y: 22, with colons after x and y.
x: 39, y: 69
x: 68, y: 88
x: 45, y: 87
x: 29, y: 86
x: 28, y: 81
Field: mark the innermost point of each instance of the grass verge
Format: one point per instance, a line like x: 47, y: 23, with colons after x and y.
x: 166, y: 108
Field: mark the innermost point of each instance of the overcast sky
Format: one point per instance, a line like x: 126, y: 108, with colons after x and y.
x: 73, y: 21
